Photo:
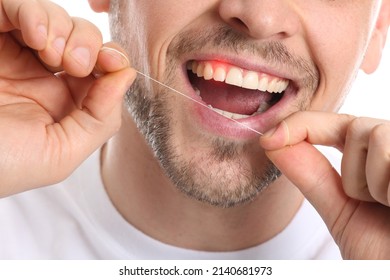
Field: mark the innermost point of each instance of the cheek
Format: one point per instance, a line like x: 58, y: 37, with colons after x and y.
x: 164, y: 20
x: 161, y: 26
x: 337, y: 49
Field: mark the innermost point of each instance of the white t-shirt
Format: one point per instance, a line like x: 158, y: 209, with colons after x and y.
x: 76, y: 220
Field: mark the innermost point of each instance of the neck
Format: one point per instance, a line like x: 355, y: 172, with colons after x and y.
x: 146, y: 198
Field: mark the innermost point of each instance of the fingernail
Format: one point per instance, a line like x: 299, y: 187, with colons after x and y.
x: 271, y: 132
x: 117, y: 55
x: 42, y: 30
x: 280, y: 133
x: 82, y: 56
x: 59, y: 45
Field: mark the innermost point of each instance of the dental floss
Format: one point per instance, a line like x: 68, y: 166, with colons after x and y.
x: 196, y: 101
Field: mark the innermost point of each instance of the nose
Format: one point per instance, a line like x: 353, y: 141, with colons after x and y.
x: 261, y: 19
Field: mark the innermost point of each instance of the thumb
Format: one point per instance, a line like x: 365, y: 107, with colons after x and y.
x: 99, y: 116
x: 309, y: 170
x: 314, y: 176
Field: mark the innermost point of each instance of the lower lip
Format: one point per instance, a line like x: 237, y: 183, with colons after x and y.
x: 244, y: 129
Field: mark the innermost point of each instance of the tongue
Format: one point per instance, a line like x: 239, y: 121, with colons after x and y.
x: 231, y: 98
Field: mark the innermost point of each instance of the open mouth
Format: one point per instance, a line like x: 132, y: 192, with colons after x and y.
x: 234, y: 92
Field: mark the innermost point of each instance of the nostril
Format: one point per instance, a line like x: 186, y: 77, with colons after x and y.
x: 239, y: 24
x: 238, y: 21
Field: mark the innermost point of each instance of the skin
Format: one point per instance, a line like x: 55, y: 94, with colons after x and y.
x: 65, y: 130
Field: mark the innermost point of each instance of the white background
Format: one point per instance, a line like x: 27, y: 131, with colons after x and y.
x: 370, y: 95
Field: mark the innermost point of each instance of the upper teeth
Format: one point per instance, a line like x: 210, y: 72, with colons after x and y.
x: 236, y: 76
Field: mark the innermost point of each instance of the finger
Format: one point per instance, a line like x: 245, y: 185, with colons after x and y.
x: 88, y: 128
x: 345, y: 132
x: 320, y: 128
x: 70, y: 44
x: 111, y: 59
x: 50, y: 21
x: 378, y: 163
x: 82, y: 48
x: 27, y: 16
x: 105, y: 98
x: 354, y: 162
x: 315, y: 177
x: 99, y: 6
x: 290, y: 147
x: 60, y: 27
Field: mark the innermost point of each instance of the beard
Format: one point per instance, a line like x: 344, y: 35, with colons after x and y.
x: 226, y: 173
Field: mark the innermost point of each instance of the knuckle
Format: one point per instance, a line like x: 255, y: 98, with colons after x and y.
x: 89, y: 27
x: 361, y: 193
x: 355, y: 127
x: 380, y: 134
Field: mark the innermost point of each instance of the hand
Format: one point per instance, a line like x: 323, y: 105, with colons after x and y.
x: 355, y: 205
x: 49, y: 123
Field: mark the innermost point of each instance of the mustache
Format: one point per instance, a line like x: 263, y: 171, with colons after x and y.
x: 225, y: 39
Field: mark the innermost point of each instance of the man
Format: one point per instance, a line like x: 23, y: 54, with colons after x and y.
x: 184, y: 181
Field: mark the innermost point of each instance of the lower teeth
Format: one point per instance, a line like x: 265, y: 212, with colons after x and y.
x: 263, y: 107
x: 230, y: 115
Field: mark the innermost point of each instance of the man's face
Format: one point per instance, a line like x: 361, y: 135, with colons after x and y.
x: 254, y: 61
